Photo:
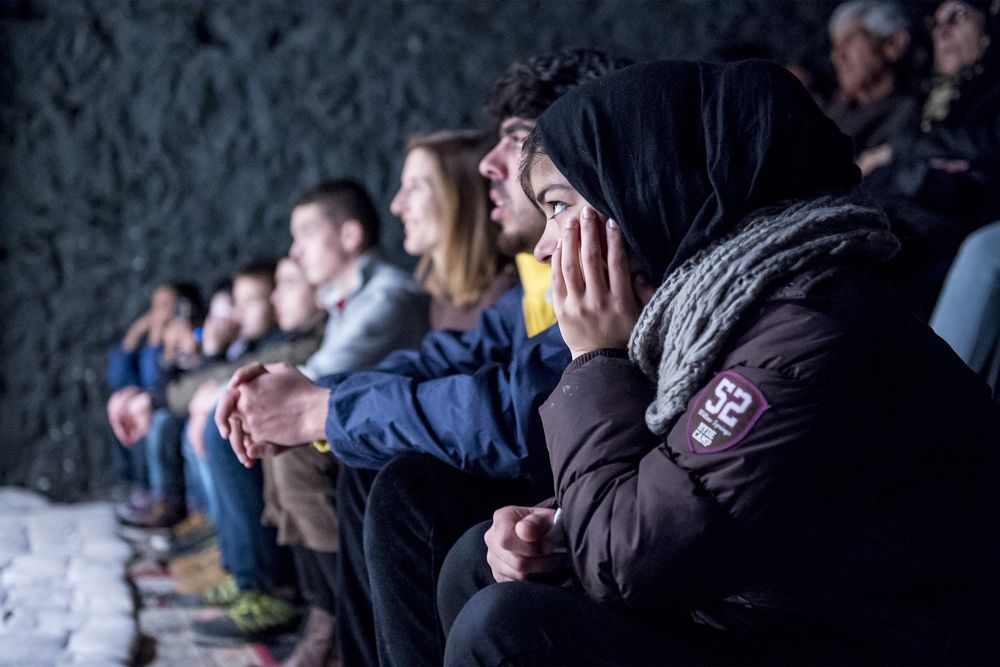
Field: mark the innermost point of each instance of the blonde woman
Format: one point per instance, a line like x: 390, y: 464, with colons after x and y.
x: 444, y: 205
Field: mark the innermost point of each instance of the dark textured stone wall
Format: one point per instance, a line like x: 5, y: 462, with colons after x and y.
x: 152, y: 140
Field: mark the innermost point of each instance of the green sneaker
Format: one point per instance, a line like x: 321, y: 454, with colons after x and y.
x: 223, y: 594
x: 253, y: 616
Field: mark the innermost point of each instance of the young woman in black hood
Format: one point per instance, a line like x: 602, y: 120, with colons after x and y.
x: 766, y: 458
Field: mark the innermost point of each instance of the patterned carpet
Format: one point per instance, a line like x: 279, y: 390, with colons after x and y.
x: 165, y: 618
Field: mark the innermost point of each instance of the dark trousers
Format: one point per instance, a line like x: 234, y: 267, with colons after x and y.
x: 250, y: 551
x: 317, y: 573
x: 396, y: 526
x: 530, y: 623
x: 534, y: 623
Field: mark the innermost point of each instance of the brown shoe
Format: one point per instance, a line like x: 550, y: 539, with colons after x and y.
x: 317, y: 646
x: 198, y: 572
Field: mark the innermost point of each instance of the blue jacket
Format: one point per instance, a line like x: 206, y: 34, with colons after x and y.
x: 140, y: 367
x: 471, y: 399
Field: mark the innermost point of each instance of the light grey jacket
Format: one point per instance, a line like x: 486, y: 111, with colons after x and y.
x: 385, y: 312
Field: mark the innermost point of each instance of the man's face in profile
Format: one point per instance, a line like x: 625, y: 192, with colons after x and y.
x: 521, y: 224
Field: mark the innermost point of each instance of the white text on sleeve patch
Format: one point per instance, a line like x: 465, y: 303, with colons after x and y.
x: 723, y: 413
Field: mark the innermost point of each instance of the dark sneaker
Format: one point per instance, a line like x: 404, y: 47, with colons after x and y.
x: 161, y: 514
x: 192, y: 535
x: 223, y: 594
x: 254, y: 616
x: 138, y: 501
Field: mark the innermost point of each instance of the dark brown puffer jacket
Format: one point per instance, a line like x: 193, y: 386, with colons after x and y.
x: 837, y: 478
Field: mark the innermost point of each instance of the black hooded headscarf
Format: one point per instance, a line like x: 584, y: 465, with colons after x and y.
x: 679, y: 152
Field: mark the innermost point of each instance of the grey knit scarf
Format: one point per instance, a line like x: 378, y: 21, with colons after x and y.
x: 681, y: 331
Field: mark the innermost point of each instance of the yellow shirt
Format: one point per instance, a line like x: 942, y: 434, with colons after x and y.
x: 536, y: 278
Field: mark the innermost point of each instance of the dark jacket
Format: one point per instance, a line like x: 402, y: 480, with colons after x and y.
x: 877, y: 123
x: 294, y: 348
x: 854, y: 496
x: 470, y: 400
x: 933, y: 210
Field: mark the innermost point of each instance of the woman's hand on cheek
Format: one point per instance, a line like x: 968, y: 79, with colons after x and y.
x: 594, y: 300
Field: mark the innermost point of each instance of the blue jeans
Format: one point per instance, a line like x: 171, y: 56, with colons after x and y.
x: 163, y: 457
x: 129, y: 462
x: 967, y: 314
x: 250, y: 551
x: 198, y: 482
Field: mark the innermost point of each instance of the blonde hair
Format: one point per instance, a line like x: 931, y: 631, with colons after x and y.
x: 469, y: 256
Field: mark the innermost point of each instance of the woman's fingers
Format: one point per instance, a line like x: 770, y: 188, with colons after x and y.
x: 619, y: 279
x: 570, y: 259
x: 558, y: 282
x: 510, y: 567
x: 501, y: 571
x: 592, y: 253
x: 506, y: 569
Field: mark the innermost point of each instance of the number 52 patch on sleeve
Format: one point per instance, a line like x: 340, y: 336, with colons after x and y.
x: 723, y: 413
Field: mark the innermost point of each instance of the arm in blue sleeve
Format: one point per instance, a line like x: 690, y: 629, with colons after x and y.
x: 150, y: 372
x: 123, y: 368
x: 484, y: 422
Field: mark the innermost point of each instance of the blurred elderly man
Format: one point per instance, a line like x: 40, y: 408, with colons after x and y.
x: 869, y: 39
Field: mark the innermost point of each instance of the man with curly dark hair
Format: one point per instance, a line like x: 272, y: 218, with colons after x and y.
x: 431, y: 442
x: 517, y: 99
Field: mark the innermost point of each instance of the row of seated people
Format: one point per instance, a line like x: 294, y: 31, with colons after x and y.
x: 926, y: 145
x: 730, y: 379
x: 331, y: 305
